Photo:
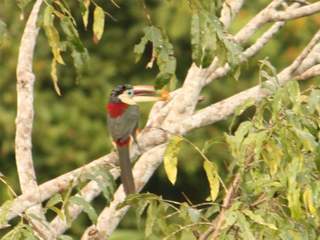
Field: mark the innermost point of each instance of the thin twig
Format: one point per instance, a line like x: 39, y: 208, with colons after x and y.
x: 227, y: 201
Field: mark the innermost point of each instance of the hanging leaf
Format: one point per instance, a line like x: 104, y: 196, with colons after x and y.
x: 98, y: 24
x: 162, y: 53
x: 314, y: 101
x: 87, y: 208
x: 151, y: 219
x: 171, y: 158
x: 52, y: 34
x: 85, y: 13
x: 308, y: 201
x: 54, y: 76
x: 307, y: 139
x: 55, y: 199
x: 258, y: 219
x: 209, y: 39
x: 3, y: 31
x: 102, y: 176
x: 5, y: 208
x: 213, y: 178
x: 244, y: 226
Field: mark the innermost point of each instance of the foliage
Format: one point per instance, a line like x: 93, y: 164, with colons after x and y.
x: 70, y: 130
x: 277, y: 155
x: 208, y: 37
x: 162, y: 52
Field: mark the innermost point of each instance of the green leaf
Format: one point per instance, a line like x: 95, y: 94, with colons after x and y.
x: 23, y: 3
x: 55, y: 199
x: 98, y: 24
x: 65, y: 237
x: 52, y: 34
x: 213, y: 178
x: 272, y: 154
x: 314, y: 101
x: 258, y: 219
x: 3, y: 31
x: 293, y: 91
x: 209, y: 39
x: 5, y: 208
x: 307, y: 139
x: 194, y: 214
x: 162, y: 53
x: 85, y: 13
x: 247, y: 103
x: 54, y: 76
x: 87, y: 208
x: 151, y: 219
x: 244, y: 226
x: 102, y: 176
x: 308, y: 201
x: 171, y: 158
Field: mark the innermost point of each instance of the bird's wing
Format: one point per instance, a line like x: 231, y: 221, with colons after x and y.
x: 124, y: 126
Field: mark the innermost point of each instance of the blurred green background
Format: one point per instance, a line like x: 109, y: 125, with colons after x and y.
x: 70, y: 131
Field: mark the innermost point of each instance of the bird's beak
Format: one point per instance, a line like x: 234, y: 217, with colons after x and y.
x: 145, y: 93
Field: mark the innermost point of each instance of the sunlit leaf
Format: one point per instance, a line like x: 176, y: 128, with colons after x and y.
x: 52, y: 34
x: 308, y: 201
x: 98, y: 24
x: 85, y: 13
x: 3, y: 31
x: 171, y: 158
x: 102, y: 176
x: 194, y: 214
x: 151, y: 219
x: 307, y: 139
x: 54, y: 76
x: 55, y: 199
x: 314, y: 101
x: 5, y: 208
x: 213, y: 178
x: 258, y: 219
x: 162, y: 53
x: 244, y: 227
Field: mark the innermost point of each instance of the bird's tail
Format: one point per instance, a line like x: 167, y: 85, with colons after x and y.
x: 125, y: 167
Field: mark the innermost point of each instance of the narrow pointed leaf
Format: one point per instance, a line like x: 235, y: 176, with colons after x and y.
x: 98, y: 24
x: 171, y: 158
x: 213, y: 178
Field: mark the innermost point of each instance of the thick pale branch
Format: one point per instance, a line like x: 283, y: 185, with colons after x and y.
x: 88, y: 193
x: 255, y: 23
x: 59, y: 184
x: 304, y: 11
x: 24, y: 121
x: 111, y: 216
x: 225, y: 108
x: 310, y: 73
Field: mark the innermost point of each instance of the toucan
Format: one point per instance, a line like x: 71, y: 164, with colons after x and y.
x: 123, y: 119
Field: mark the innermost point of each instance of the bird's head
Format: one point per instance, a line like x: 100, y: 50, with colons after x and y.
x: 131, y: 95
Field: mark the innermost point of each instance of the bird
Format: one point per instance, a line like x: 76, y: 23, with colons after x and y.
x: 122, y: 120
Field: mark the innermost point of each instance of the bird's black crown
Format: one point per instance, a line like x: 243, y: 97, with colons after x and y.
x: 120, y: 89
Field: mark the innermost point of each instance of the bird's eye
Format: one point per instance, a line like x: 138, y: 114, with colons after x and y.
x: 130, y: 92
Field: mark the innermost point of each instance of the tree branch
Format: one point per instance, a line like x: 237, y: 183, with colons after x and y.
x: 24, y: 120
x: 110, y: 217
x: 229, y: 10
x: 225, y: 108
x: 304, y: 11
x: 218, y: 221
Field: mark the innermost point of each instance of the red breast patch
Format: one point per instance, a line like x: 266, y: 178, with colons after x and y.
x: 116, y: 109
